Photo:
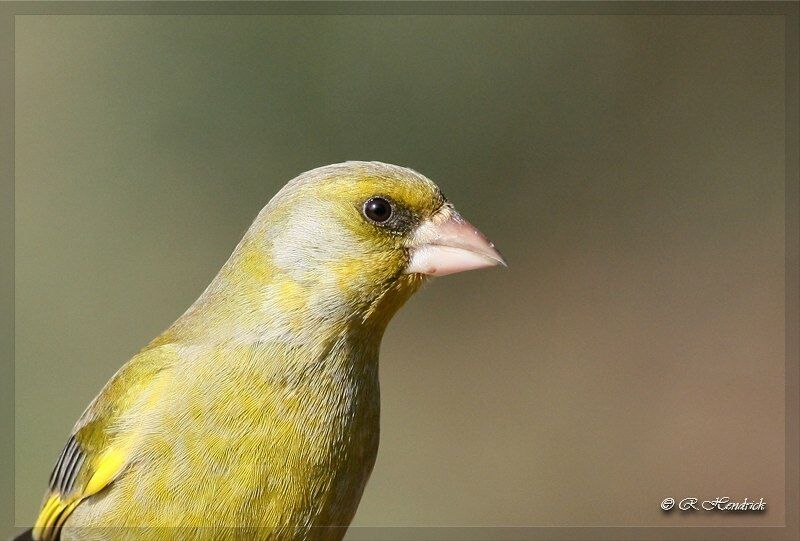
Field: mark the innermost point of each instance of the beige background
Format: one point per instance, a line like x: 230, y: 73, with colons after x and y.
x: 630, y: 167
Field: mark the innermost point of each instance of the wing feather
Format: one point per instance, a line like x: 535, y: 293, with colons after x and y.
x: 96, y: 453
x: 63, y: 478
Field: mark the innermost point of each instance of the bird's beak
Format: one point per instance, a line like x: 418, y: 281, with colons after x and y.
x: 447, y: 243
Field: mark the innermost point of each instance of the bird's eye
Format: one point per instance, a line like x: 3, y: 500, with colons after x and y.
x: 378, y: 209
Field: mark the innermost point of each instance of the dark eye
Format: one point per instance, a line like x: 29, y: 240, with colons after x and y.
x: 378, y: 209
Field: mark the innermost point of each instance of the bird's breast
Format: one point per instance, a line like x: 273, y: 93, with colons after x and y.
x: 304, y: 435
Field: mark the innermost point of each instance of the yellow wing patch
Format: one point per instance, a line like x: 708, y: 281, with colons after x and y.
x: 52, y: 518
x: 108, y: 466
x: 58, y: 507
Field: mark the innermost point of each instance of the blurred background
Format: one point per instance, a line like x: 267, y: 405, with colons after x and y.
x: 631, y: 168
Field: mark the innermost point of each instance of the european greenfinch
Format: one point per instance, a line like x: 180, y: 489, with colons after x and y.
x: 256, y: 414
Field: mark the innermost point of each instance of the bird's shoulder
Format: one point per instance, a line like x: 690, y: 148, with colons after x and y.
x: 99, y: 445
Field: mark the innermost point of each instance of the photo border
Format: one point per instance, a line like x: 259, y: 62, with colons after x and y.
x: 788, y: 10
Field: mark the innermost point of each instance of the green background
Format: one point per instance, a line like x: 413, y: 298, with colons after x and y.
x: 631, y: 168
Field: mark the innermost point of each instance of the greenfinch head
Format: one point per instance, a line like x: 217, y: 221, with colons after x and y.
x: 359, y: 237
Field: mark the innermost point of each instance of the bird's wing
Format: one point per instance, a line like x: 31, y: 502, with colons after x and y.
x: 99, y: 448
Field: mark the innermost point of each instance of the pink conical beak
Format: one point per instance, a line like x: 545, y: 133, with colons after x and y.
x: 447, y: 244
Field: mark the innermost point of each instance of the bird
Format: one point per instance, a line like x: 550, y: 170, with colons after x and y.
x: 255, y: 415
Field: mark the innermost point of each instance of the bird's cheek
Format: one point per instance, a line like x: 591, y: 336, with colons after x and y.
x: 358, y: 275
